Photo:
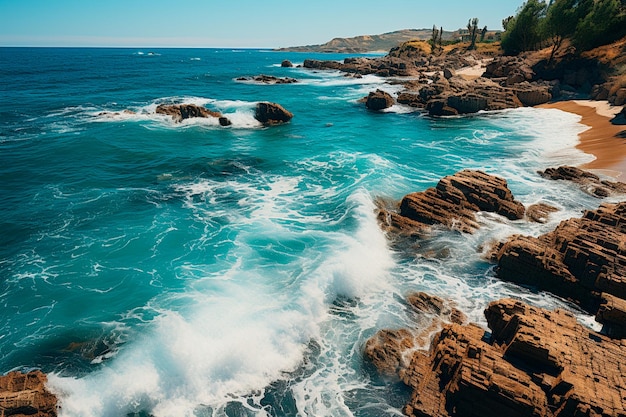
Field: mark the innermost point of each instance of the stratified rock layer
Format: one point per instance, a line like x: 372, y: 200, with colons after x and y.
x: 536, y: 363
x: 579, y: 260
x: 588, y: 181
x: 453, y: 203
x: 26, y: 395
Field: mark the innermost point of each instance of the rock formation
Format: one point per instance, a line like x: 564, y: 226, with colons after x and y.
x: 268, y: 79
x: 271, y: 114
x: 286, y: 64
x: 536, y: 363
x: 580, y: 260
x: 588, y: 182
x: 453, y: 203
x: 379, y: 100
x: 26, y: 395
x: 180, y: 112
x: 390, y: 350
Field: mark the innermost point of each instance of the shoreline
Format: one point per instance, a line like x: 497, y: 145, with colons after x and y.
x: 600, y: 139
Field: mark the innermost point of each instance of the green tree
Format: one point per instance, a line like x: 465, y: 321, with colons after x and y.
x: 523, y: 32
x: 562, y: 18
x: 604, y: 23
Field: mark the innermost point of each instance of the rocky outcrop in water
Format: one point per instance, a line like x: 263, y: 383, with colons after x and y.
x: 26, y: 395
x: 272, y: 114
x: 180, y: 112
x: 268, y: 79
x: 452, y: 203
x: 379, y: 100
x: 535, y: 363
x: 588, y: 181
x: 580, y: 260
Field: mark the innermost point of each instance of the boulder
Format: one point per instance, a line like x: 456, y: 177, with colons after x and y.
x: 286, y: 64
x: 270, y: 114
x: 440, y: 108
x: 180, y: 112
x: 579, y: 260
x: 453, y: 203
x: 379, y: 100
x: 467, y: 103
x: 533, y: 95
x: 587, y: 181
x: 26, y: 395
x: 535, y: 362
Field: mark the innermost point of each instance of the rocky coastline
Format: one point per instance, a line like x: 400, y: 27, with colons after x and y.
x: 532, y: 362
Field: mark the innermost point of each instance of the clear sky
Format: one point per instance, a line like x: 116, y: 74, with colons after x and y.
x: 222, y: 23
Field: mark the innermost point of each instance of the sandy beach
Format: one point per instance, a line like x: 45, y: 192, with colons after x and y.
x: 600, y: 139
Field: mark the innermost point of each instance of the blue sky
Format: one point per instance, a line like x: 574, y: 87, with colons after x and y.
x: 244, y: 23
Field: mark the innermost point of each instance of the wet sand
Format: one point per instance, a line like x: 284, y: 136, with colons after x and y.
x: 600, y: 139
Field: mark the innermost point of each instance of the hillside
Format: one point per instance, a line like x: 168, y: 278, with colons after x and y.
x: 370, y: 43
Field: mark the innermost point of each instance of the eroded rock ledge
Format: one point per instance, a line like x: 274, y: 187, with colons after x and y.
x: 26, y: 395
x: 535, y: 363
x: 581, y: 259
x: 452, y: 203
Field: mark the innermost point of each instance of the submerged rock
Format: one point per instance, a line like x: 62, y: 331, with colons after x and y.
x: 272, y: 114
x: 588, y: 182
x: 269, y: 79
x: 26, y: 395
x: 180, y: 112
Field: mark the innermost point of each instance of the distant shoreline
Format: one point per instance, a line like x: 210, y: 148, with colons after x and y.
x: 600, y: 139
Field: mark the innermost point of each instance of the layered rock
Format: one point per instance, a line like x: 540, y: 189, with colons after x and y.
x: 379, y: 100
x: 536, y: 363
x: 588, y: 182
x: 390, y: 350
x: 581, y: 259
x: 453, y: 203
x: 270, y: 114
x: 180, y: 112
x: 26, y: 395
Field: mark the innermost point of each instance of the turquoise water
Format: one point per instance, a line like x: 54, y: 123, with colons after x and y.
x: 193, y: 270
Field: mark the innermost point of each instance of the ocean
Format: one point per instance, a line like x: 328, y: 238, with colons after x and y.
x: 187, y: 269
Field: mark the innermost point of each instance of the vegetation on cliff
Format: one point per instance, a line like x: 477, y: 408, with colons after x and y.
x: 585, y: 23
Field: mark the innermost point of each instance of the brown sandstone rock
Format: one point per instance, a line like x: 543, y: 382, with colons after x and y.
x: 588, y: 182
x: 454, y: 202
x: 272, y: 114
x: 390, y: 351
x: 539, y: 212
x: 180, y: 112
x: 533, y: 95
x: 26, y: 395
x: 536, y: 363
x: 579, y: 260
x: 379, y: 100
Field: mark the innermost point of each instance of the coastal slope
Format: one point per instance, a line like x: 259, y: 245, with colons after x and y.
x: 369, y: 43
